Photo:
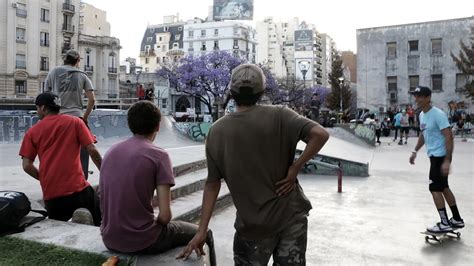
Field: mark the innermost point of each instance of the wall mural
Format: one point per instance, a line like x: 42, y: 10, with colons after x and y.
x: 363, y: 132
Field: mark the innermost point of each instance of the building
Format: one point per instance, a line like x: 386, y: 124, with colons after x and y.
x: 393, y: 60
x: 33, y: 36
x: 238, y: 39
x: 100, y: 51
x: 291, y: 48
x: 162, y: 44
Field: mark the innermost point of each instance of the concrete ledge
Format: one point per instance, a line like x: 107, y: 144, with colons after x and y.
x: 87, y: 238
x: 189, y: 167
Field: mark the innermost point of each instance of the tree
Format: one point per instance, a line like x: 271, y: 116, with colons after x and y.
x: 334, y: 98
x: 205, y: 77
x: 465, y: 64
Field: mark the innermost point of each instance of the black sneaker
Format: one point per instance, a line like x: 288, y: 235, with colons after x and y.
x: 455, y: 223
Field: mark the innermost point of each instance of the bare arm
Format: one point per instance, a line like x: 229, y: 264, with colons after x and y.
x: 90, y: 104
x: 30, y: 168
x: 95, y: 155
x: 164, y: 204
x: 211, y: 191
x: 317, y: 138
x: 419, y: 144
x: 448, y: 135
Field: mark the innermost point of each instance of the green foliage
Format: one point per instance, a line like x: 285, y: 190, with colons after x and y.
x: 15, y: 251
x: 465, y: 63
x: 333, y: 100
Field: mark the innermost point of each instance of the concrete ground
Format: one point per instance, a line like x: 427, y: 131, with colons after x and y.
x: 377, y: 220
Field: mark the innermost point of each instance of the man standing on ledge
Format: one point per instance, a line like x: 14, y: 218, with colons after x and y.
x: 253, y: 150
x: 438, y: 137
x: 68, y: 82
x: 56, y: 140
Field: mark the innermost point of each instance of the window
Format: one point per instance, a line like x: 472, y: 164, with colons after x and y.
x: 203, y: 33
x: 20, y: 86
x: 236, y: 44
x: 392, y: 84
x: 191, y: 46
x: 180, y: 28
x: 44, y: 39
x: 20, y: 61
x: 190, y: 34
x: 160, y: 39
x: 175, y: 45
x: 436, y: 47
x: 203, y: 46
x: 146, y: 69
x: 461, y: 82
x: 236, y: 31
x: 216, y: 45
x: 414, y: 82
x: 165, y: 29
x: 147, y: 60
x: 391, y: 50
x: 20, y: 35
x: 112, y: 60
x: 88, y: 58
x: 216, y: 32
x: 437, y: 82
x: 112, y: 90
x: 21, y: 10
x: 44, y: 15
x: 157, y: 60
x: 413, y: 46
x: 163, y: 103
x: 149, y: 39
x: 44, y: 64
x: 177, y: 37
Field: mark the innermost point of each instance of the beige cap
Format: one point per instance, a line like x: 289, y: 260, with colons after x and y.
x: 247, y: 75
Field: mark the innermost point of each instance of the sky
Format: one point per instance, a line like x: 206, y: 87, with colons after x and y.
x: 337, y: 18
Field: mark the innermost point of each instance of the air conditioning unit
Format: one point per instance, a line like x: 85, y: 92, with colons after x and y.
x: 14, y: 5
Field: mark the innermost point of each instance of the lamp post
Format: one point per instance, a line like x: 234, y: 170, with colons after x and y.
x: 341, y: 83
x: 304, y: 66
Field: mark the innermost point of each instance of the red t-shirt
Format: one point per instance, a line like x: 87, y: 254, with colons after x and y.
x: 57, y: 140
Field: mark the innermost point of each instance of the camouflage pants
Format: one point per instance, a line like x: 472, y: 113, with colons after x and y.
x: 288, y: 247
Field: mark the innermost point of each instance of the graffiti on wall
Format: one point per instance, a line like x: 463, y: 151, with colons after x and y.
x: 104, y: 125
x: 363, y: 132
x: 196, y: 131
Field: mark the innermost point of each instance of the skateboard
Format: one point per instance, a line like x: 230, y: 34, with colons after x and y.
x: 438, y: 237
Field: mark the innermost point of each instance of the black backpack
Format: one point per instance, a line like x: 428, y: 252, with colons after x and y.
x: 14, y: 206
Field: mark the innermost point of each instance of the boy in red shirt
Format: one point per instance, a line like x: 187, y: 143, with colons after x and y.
x: 57, y: 140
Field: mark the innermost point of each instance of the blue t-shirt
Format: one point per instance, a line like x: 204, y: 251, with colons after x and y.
x: 397, y: 118
x: 431, y: 124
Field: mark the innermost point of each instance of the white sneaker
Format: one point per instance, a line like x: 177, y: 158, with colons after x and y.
x: 439, y: 228
x: 82, y: 216
x: 456, y: 224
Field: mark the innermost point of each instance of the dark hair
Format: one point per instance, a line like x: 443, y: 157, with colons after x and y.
x: 70, y: 60
x: 143, y: 118
x: 52, y: 109
x: 245, y: 97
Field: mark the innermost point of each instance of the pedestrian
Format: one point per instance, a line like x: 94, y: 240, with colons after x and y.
x: 253, y: 150
x: 149, y: 94
x: 57, y: 140
x: 140, y: 92
x: 404, y: 127
x: 411, y: 115
x: 438, y: 137
x: 378, y: 130
x: 70, y: 84
x: 132, y: 170
x: 396, y: 124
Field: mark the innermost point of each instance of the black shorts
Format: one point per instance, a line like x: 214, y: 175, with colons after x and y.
x: 438, y: 182
x: 405, y: 130
x: 62, y: 208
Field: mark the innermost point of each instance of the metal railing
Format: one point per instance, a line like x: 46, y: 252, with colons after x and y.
x: 69, y: 8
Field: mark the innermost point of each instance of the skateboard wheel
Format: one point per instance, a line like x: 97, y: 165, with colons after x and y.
x: 458, y: 234
x: 427, y: 238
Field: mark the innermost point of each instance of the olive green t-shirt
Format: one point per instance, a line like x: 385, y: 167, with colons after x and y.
x: 252, y: 151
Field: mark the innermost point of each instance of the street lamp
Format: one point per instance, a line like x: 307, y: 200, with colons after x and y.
x: 341, y: 83
x: 304, y: 66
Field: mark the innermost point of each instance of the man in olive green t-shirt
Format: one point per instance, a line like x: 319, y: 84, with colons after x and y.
x: 253, y: 150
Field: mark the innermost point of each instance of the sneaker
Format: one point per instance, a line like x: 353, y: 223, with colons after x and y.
x: 439, y: 228
x: 400, y: 142
x: 406, y: 142
x: 82, y: 216
x: 456, y: 224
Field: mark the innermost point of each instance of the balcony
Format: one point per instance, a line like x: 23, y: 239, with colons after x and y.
x: 89, y: 69
x: 112, y: 70
x: 68, y: 8
x: 68, y: 28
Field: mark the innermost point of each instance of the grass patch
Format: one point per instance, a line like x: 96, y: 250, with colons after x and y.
x: 14, y: 251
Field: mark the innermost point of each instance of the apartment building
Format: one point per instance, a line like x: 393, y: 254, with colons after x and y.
x: 393, y: 60
x: 99, y: 50
x: 33, y: 36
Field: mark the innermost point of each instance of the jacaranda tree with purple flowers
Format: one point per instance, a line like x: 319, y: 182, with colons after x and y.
x: 205, y: 76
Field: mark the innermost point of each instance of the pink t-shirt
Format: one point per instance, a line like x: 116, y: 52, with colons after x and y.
x: 129, y: 174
